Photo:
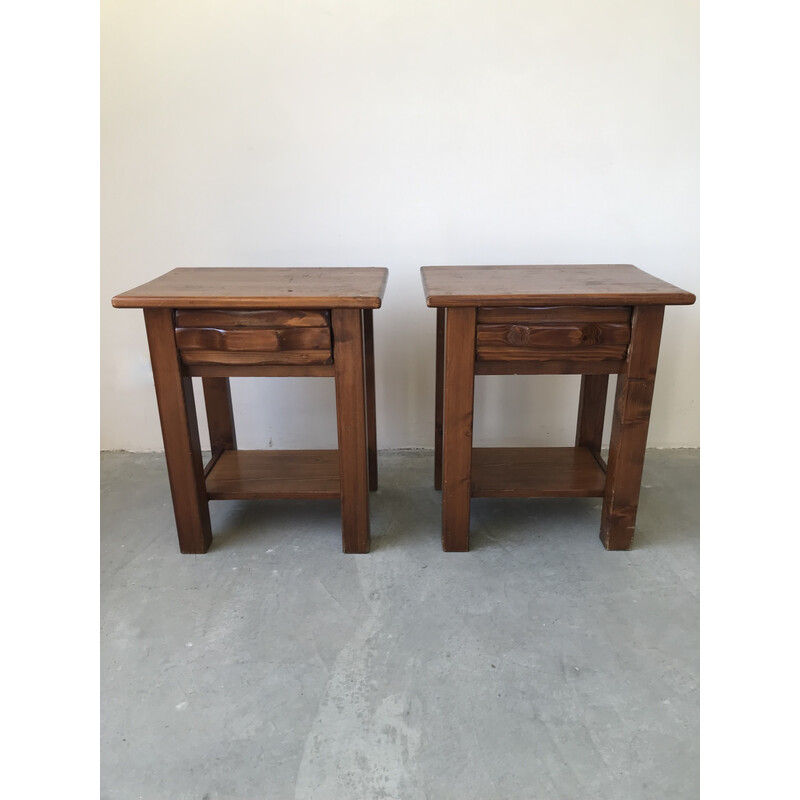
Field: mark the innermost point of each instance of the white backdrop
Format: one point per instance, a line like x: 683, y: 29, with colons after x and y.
x: 324, y: 133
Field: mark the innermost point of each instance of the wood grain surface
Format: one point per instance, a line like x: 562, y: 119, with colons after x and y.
x: 219, y: 413
x: 545, y: 314
x: 178, y: 417
x: 273, y: 318
x: 283, y: 474
x: 634, y: 396
x: 580, y: 341
x: 536, y: 472
x: 260, y: 288
x: 438, y: 399
x: 351, y: 419
x: 369, y: 387
x: 552, y: 336
x: 254, y: 340
x: 191, y: 357
x: 511, y: 352
x: 591, y: 413
x: 259, y: 370
x: 550, y: 367
x: 551, y: 284
x: 459, y: 382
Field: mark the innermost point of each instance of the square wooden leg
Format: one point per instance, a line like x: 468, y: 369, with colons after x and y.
x: 369, y: 378
x: 351, y: 415
x: 439, y: 400
x: 634, y: 397
x: 459, y: 382
x: 219, y: 412
x: 592, y: 412
x: 178, y: 416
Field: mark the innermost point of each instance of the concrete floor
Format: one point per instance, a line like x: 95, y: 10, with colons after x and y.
x: 536, y: 666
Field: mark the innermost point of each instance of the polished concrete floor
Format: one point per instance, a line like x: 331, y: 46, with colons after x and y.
x: 536, y: 666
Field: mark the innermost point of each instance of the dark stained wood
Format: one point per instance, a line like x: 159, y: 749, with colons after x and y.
x: 593, y: 320
x: 260, y: 288
x: 215, y: 456
x: 564, y: 334
x: 260, y: 370
x: 645, y: 343
x: 351, y: 416
x: 559, y: 336
x: 219, y: 413
x: 496, y: 352
x: 273, y: 318
x: 254, y: 340
x: 549, y: 367
x: 280, y: 474
x: 592, y: 412
x: 254, y: 359
x: 369, y: 384
x: 580, y: 342
x: 178, y: 416
x: 545, y: 285
x: 439, y: 399
x: 536, y: 472
x: 633, y: 399
x: 222, y: 323
x: 457, y: 439
x: 254, y: 346
x: 541, y: 314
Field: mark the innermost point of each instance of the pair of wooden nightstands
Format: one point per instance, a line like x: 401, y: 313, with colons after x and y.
x: 591, y: 320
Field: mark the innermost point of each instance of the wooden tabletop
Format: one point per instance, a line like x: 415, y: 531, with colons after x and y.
x: 552, y: 284
x: 260, y: 287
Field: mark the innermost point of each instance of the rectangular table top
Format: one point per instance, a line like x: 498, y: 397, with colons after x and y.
x: 260, y: 287
x: 552, y: 284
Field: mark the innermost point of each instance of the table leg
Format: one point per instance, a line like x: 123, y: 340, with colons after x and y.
x: 592, y: 412
x: 178, y: 416
x: 459, y: 382
x: 439, y: 400
x: 348, y: 360
x: 369, y: 375
x: 219, y: 412
x: 634, y: 397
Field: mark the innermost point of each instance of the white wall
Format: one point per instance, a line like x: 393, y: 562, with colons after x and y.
x: 397, y: 134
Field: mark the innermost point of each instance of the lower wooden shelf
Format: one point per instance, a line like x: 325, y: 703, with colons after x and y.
x: 282, y: 474
x: 536, y: 472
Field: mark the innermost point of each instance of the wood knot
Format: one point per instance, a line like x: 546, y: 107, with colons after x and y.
x: 518, y: 335
x: 591, y: 334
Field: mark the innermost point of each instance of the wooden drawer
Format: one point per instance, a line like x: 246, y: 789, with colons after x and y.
x: 560, y: 333
x: 253, y: 338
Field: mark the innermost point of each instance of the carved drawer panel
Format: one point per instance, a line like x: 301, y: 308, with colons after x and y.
x: 254, y: 338
x: 569, y: 333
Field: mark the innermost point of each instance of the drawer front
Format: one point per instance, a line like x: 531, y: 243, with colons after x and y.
x: 578, y: 333
x: 255, y: 338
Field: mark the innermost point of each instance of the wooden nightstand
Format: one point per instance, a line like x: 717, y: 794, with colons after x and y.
x: 218, y: 323
x: 593, y: 320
